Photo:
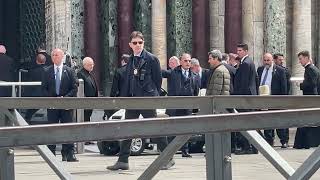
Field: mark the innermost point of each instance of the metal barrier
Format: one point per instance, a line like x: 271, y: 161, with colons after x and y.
x: 217, y: 127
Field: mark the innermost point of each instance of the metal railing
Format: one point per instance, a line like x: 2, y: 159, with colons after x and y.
x: 217, y: 127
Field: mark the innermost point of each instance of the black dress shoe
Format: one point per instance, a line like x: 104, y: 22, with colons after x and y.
x: 284, y: 145
x: 185, y: 154
x: 64, y: 157
x: 119, y: 165
x: 71, y: 158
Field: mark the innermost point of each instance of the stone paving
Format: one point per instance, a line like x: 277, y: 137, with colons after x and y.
x: 93, y: 166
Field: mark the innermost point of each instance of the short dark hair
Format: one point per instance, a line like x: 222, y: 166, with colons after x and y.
x: 136, y: 34
x: 243, y: 46
x: 304, y: 53
x: 275, y: 56
x: 125, y: 58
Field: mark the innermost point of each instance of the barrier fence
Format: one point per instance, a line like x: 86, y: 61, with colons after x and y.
x: 217, y: 128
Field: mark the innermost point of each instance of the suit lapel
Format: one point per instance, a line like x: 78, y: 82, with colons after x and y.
x: 63, y: 76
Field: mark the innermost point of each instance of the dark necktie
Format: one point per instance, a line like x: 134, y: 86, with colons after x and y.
x: 265, y: 77
x: 58, y: 81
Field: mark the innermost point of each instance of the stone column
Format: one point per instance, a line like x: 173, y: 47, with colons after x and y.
x: 232, y: 25
x: 200, y: 31
x: 58, y: 24
x: 109, y: 28
x: 252, y: 28
x: 159, y: 33
x: 275, y: 25
x: 289, y: 19
x: 179, y: 27
x: 315, y: 31
x: 125, y: 24
x: 217, y: 10
x: 77, y: 24
x: 92, y: 35
x: 301, y: 35
x: 142, y: 20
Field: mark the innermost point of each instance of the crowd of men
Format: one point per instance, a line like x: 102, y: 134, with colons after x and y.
x: 140, y: 75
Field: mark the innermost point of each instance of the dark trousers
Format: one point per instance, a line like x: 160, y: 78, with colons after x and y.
x: 181, y: 112
x: 303, y: 138
x: 283, y: 135
x: 62, y: 116
x: 126, y: 144
x: 87, y: 115
x: 29, y: 114
x: 241, y: 141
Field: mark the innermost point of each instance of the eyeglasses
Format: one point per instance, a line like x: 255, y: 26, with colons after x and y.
x: 136, y: 42
x: 187, y: 60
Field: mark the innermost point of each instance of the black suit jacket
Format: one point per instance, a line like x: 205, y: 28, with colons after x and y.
x: 232, y: 71
x: 245, y: 80
x: 68, y: 86
x: 205, y: 74
x: 36, y: 74
x: 278, y: 82
x: 147, y: 81
x: 310, y: 84
x: 6, y: 74
x: 90, y: 85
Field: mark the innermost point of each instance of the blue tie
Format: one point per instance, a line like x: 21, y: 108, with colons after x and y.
x: 265, y: 77
x: 58, y: 81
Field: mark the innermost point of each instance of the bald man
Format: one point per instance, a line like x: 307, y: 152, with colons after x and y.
x: 90, y: 85
x: 274, y: 77
x: 60, y: 81
x: 6, y: 71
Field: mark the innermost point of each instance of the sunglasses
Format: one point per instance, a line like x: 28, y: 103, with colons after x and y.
x: 135, y: 42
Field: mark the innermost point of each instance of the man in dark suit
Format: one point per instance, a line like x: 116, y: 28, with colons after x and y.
x: 143, y: 78
x: 6, y: 71
x: 245, y: 84
x: 183, y: 82
x: 36, y: 74
x: 278, y: 59
x: 90, y: 85
x: 117, y: 82
x: 232, y: 70
x: 60, y: 81
x: 203, y: 73
x: 309, y: 86
x: 274, y: 77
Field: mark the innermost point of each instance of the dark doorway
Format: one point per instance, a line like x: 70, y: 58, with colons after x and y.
x: 9, y: 27
x: 22, y: 28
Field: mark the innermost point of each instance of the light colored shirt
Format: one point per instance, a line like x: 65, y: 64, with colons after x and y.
x: 269, y: 77
x: 243, y: 58
x: 60, y: 70
x: 185, y: 72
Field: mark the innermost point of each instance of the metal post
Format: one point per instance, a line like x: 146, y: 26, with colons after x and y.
x: 218, y: 151
x: 43, y: 150
x: 6, y: 156
x: 80, y: 115
x: 13, y: 91
x: 309, y: 167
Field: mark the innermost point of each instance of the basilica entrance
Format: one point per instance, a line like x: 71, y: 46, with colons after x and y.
x: 22, y: 28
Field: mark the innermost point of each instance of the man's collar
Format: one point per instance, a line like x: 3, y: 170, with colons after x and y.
x: 307, y: 64
x: 242, y: 59
x: 139, y: 54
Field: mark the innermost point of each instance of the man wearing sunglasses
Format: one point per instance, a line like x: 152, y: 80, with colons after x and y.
x: 182, y: 82
x: 142, y: 78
